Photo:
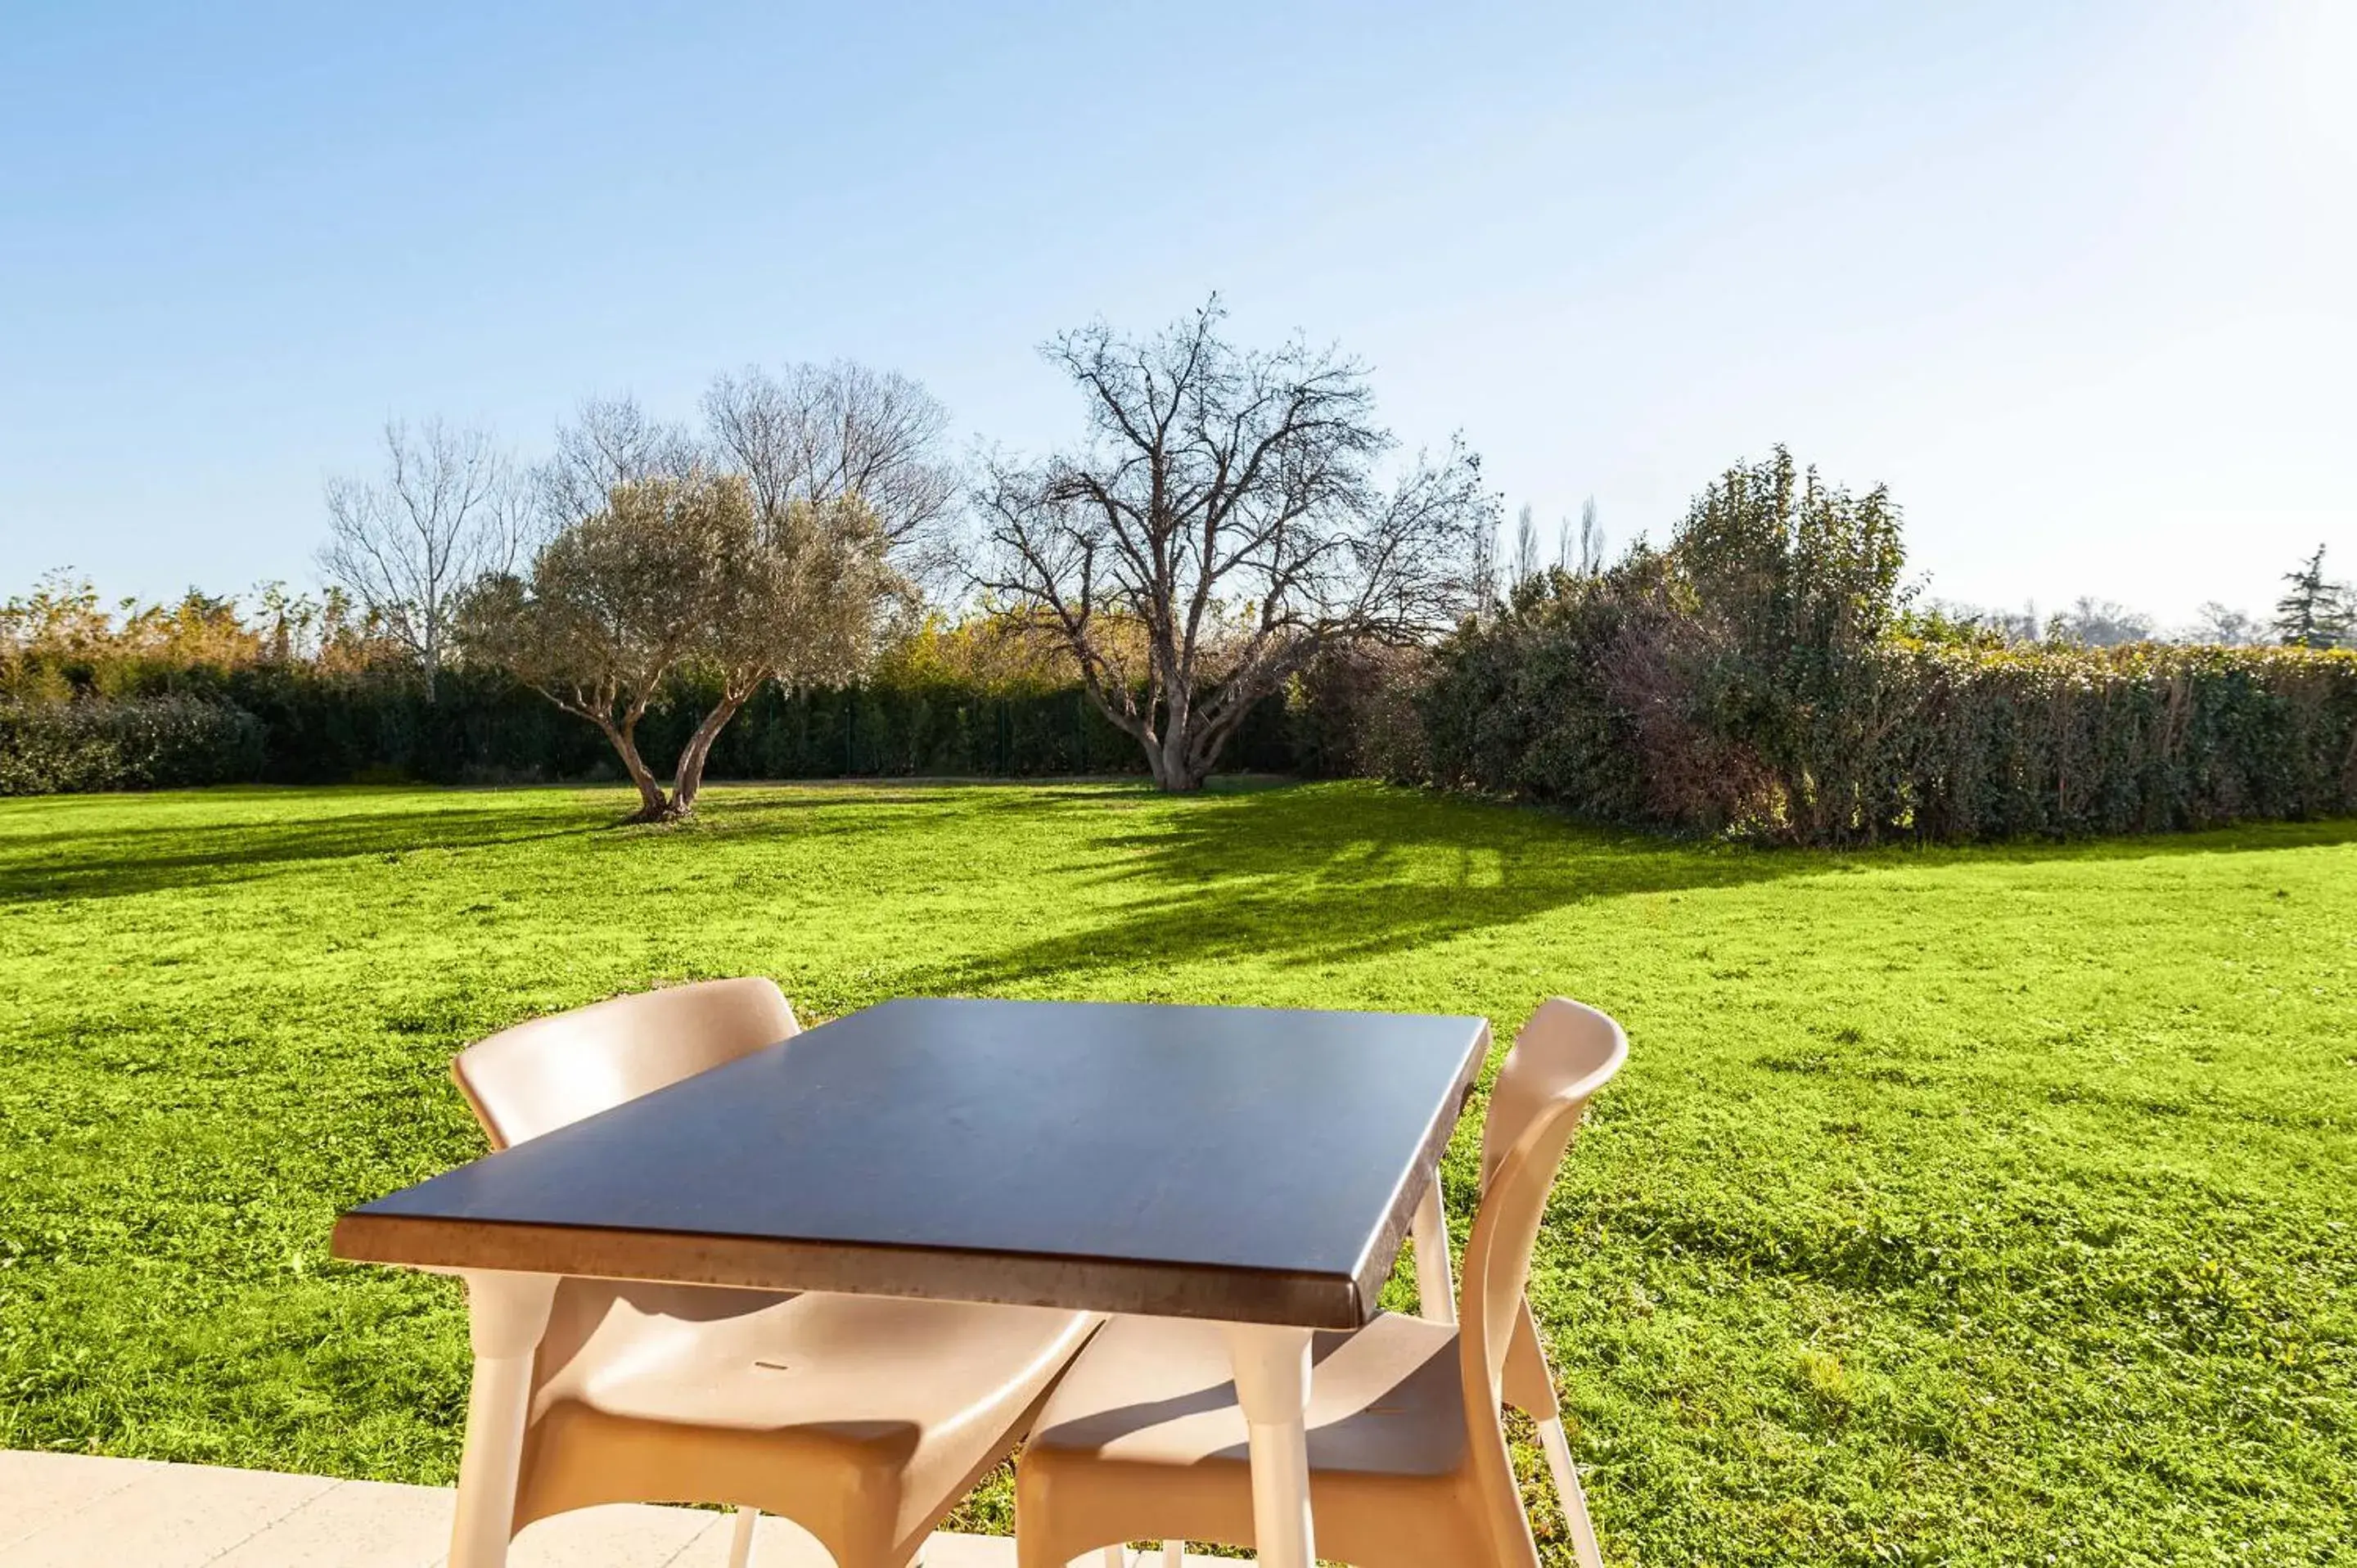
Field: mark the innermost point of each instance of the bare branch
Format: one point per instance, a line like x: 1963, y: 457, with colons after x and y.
x: 1224, y: 507
x: 447, y: 510
x: 820, y: 433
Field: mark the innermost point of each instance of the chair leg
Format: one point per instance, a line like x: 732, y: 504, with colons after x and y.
x: 1567, y: 1491
x: 740, y: 1538
x: 1174, y: 1553
x: 1115, y: 1557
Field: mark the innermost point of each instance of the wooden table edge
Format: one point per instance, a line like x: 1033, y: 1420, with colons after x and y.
x: 1227, y: 1294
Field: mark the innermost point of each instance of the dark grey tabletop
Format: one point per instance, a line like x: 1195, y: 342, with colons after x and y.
x: 1244, y: 1164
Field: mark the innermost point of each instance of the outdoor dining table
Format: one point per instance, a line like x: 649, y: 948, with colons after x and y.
x: 1254, y: 1166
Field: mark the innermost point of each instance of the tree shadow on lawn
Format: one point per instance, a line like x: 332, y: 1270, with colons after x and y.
x: 1313, y: 874
x: 63, y: 856
x: 115, y: 861
x: 1324, y: 872
x: 2246, y: 838
x: 1240, y: 868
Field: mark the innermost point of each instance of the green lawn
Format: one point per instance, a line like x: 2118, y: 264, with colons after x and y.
x: 1955, y: 1207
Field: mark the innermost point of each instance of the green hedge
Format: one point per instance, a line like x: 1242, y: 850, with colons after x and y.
x: 1596, y: 705
x: 1990, y: 745
x: 294, y: 724
x: 1586, y: 702
x: 139, y: 743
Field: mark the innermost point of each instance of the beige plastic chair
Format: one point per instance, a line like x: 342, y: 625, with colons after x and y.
x: 864, y: 1420
x: 1408, y: 1466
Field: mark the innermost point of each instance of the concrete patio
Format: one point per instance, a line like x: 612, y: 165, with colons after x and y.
x: 71, y: 1511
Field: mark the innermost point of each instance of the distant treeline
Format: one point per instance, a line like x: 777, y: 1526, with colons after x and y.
x: 295, y: 726
x: 298, y: 692
x: 1555, y: 700
x: 1763, y: 676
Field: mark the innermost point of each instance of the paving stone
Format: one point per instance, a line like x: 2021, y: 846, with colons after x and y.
x: 355, y: 1524
x: 618, y: 1535
x: 71, y: 1511
x: 171, y: 1516
x: 37, y: 1490
x: 777, y: 1544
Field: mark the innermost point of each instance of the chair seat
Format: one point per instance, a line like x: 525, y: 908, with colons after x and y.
x: 1144, y: 1437
x: 860, y: 1418
x: 1387, y: 1399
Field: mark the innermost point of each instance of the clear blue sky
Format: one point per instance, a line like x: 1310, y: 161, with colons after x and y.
x: 2078, y: 281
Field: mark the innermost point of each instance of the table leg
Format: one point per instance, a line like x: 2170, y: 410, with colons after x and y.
x: 506, y: 1314
x: 1436, y: 1288
x: 1271, y: 1367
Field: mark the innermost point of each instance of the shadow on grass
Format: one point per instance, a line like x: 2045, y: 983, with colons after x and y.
x: 2246, y: 839
x: 117, y: 860
x: 1255, y: 865
x: 1317, y: 874
x: 65, y: 854
x: 1326, y: 873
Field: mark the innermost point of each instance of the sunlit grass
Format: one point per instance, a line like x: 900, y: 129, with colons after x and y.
x: 1962, y: 1206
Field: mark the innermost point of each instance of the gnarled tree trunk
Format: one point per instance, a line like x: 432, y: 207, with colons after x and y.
x: 654, y: 805
x: 687, y: 778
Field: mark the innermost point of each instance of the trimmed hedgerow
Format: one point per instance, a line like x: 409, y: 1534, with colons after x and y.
x: 140, y: 743
x: 1995, y: 744
x: 1598, y: 697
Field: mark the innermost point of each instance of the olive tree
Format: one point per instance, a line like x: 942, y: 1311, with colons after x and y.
x: 800, y: 602
x: 1220, y: 525
x: 675, y: 572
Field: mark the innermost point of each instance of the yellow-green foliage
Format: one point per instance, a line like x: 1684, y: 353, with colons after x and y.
x: 1994, y: 743
x: 1957, y: 1207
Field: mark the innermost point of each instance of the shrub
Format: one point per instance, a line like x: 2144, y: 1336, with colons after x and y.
x: 1352, y: 715
x: 135, y: 742
x: 1577, y: 695
x: 2144, y: 738
x: 1577, y: 692
x: 1763, y: 676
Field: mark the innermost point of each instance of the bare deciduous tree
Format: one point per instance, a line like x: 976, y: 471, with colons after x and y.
x: 446, y: 511
x: 2099, y: 623
x: 1225, y: 514
x: 610, y: 440
x: 2220, y: 625
x: 819, y: 432
x: 1526, y: 544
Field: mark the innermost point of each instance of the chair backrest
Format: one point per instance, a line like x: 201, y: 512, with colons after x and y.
x: 1563, y: 1056
x: 543, y: 1075
x: 1562, y: 1043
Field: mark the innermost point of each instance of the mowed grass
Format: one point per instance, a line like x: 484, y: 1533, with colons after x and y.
x: 1955, y: 1207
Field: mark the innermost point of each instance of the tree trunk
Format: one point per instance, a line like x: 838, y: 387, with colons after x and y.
x: 688, y: 778
x: 1170, y: 757
x: 652, y: 806
x: 1173, y: 763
